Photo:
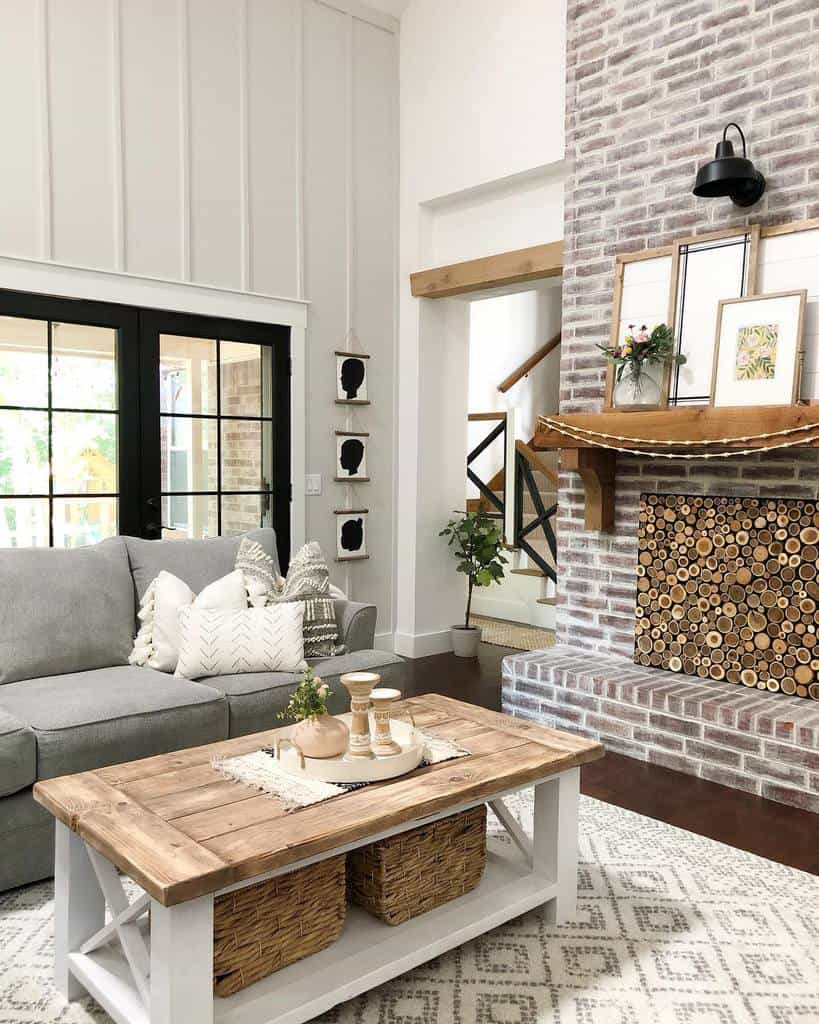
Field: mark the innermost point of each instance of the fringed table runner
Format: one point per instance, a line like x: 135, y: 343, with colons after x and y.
x: 262, y: 771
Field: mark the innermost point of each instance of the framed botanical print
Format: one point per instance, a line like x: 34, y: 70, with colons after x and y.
x: 351, y: 457
x: 351, y: 379
x: 758, y: 350
x: 351, y: 534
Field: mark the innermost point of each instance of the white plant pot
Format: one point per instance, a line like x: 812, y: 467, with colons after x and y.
x: 465, y: 640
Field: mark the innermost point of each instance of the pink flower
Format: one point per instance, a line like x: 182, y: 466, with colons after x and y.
x: 643, y: 337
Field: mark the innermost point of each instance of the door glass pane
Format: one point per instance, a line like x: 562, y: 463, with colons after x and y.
x: 191, y: 516
x: 80, y: 521
x: 23, y: 452
x: 243, y: 512
x: 241, y: 379
x: 84, y: 447
x: 245, y: 460
x: 189, y: 455
x: 187, y: 374
x: 83, y: 367
x: 23, y: 361
x: 23, y: 522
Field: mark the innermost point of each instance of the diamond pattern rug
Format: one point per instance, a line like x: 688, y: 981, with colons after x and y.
x: 671, y: 928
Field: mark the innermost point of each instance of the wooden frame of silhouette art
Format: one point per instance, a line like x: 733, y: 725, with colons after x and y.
x: 351, y: 457
x: 351, y: 534
x: 352, y: 370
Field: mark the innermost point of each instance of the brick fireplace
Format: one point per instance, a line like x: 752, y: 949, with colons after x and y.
x: 650, y: 84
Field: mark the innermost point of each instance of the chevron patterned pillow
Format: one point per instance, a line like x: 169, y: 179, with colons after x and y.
x: 219, y: 643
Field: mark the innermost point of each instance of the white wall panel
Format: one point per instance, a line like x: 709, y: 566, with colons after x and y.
x: 273, y: 101
x: 374, y: 190
x: 151, y: 137
x: 326, y: 254
x: 81, y: 91
x: 215, y: 139
x: 20, y: 168
x: 248, y: 144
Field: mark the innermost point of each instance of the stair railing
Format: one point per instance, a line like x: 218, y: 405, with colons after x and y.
x: 529, y: 364
x: 526, y: 461
x: 499, y: 430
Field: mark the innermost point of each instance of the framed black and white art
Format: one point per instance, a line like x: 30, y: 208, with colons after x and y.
x: 351, y: 534
x: 351, y: 457
x: 351, y: 378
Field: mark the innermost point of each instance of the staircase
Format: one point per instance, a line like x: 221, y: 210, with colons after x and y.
x: 522, y: 495
x: 527, y: 594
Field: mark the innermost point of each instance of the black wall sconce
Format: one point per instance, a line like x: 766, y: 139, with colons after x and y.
x: 729, y: 175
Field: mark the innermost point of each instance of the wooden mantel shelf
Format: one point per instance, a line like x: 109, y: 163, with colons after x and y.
x: 596, y: 466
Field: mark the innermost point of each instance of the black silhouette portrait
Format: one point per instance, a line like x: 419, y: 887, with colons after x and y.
x: 351, y: 455
x: 352, y: 534
x: 352, y: 377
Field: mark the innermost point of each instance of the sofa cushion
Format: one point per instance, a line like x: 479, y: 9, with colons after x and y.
x: 197, y: 562
x: 88, y: 720
x: 255, y: 699
x: 18, y: 755
x: 64, y: 610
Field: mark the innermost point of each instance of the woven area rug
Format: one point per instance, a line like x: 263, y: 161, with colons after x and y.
x: 513, y: 634
x: 671, y: 929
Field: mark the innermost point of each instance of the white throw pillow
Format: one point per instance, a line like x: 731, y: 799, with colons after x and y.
x: 220, y: 643
x: 157, y: 642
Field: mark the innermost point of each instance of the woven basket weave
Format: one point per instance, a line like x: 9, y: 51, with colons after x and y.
x: 262, y: 928
x: 408, y: 874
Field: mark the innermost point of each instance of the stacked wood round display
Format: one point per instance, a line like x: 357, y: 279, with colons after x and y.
x: 727, y: 589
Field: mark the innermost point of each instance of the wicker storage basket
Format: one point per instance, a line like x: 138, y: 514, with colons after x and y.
x: 262, y: 928
x: 408, y: 874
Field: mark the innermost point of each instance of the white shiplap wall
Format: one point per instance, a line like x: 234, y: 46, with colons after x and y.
x: 247, y: 144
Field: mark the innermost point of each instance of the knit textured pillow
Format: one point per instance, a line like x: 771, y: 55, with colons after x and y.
x: 219, y: 643
x: 308, y: 580
x: 259, y: 571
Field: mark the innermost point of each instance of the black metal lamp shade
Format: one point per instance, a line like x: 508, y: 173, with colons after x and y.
x: 730, y: 175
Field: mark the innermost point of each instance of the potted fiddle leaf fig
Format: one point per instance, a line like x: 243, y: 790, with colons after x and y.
x: 477, y: 542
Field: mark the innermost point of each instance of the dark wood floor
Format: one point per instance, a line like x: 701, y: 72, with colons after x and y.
x: 783, y: 834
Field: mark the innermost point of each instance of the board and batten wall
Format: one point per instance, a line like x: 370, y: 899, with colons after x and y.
x: 242, y: 144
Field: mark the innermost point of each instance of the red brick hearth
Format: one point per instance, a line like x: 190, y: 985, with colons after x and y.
x: 764, y: 743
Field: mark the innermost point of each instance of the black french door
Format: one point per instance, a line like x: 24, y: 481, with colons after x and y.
x: 215, y: 442
x: 116, y: 419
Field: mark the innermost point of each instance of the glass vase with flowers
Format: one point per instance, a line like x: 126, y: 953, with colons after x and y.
x: 639, y: 361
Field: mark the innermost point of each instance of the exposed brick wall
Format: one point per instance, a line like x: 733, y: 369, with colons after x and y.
x: 650, y: 85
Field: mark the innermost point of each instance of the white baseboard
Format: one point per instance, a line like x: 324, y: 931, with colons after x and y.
x: 384, y: 641
x: 421, y: 645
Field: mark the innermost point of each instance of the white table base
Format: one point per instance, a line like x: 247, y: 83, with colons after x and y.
x: 163, y: 974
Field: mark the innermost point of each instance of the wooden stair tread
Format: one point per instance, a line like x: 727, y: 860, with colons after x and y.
x: 528, y: 572
x: 547, y: 600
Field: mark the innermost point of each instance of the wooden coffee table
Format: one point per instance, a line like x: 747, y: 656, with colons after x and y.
x: 185, y: 834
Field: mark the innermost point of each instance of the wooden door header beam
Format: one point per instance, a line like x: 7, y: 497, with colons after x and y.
x: 538, y: 261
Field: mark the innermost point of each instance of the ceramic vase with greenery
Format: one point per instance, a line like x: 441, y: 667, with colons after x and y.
x: 635, y: 387
x: 477, y: 543
x: 316, y: 733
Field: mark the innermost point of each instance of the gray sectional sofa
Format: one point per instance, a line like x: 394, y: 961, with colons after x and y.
x: 69, y: 700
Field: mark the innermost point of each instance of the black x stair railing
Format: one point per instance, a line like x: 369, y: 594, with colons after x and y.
x: 542, y: 520
x: 524, y: 481
x: 496, y: 432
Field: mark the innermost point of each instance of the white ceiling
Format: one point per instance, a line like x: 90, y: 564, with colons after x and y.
x: 394, y: 7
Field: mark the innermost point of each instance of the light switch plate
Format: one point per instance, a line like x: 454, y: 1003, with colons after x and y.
x: 312, y: 484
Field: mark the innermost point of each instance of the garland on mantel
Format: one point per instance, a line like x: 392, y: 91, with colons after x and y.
x: 591, y: 437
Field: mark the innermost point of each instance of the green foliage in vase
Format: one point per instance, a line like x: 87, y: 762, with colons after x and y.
x: 477, y: 541
x: 640, y: 347
x: 308, y: 700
